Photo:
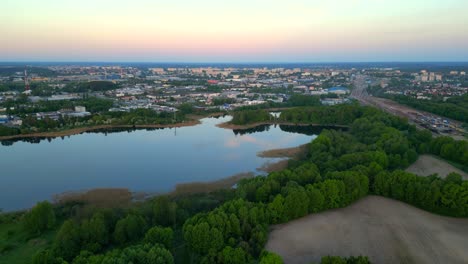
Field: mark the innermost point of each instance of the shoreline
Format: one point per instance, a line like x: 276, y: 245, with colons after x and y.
x: 193, y: 121
x: 115, y: 197
x: 80, y: 130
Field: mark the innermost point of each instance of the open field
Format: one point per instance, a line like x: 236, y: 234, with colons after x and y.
x: 385, y: 230
x: 427, y: 165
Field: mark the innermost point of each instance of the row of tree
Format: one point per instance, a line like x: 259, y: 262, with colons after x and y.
x: 250, y: 116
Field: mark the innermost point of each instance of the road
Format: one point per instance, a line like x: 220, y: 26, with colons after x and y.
x: 414, y: 116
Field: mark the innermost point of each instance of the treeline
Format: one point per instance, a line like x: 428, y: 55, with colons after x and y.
x: 323, y: 115
x: 294, y: 100
x: 250, y: 116
x: 237, y: 231
x: 450, y: 149
x: 93, y: 86
x: 12, y: 70
x: 143, y: 233
x: 447, y: 196
x: 92, y: 104
x: 133, y: 118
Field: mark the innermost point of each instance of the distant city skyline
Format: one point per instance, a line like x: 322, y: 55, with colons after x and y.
x: 242, y: 31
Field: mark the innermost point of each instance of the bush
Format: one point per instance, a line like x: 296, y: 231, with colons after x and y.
x: 40, y: 218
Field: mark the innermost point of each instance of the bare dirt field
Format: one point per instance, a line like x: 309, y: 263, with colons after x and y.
x: 385, y: 230
x: 427, y: 165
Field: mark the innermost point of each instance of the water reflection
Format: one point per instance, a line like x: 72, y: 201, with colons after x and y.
x: 142, y: 160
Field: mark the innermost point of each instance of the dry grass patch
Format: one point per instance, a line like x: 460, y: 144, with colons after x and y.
x: 206, y: 187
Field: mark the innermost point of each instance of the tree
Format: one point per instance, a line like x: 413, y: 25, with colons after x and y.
x: 164, y: 211
x: 160, y: 235
x: 129, y: 229
x: 40, y: 218
x: 95, y: 233
x: 316, y: 199
x: 46, y: 257
x: 270, y: 258
x: 276, y: 210
x: 332, y: 260
x: 231, y: 255
x: 67, y: 242
x: 296, y: 203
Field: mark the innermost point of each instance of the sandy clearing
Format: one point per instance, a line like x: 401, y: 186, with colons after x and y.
x: 427, y: 165
x: 386, y: 230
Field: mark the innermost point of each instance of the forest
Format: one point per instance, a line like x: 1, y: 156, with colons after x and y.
x: 232, y: 226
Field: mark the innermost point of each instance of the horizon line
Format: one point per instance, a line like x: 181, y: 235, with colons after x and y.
x: 226, y: 62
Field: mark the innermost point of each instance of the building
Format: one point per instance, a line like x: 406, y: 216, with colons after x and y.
x: 333, y: 101
x: 3, y: 119
x: 338, y: 90
x: 80, y: 109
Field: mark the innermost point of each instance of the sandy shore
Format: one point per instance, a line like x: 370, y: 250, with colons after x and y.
x: 385, y: 230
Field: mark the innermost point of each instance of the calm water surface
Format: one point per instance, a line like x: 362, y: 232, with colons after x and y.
x: 141, y: 160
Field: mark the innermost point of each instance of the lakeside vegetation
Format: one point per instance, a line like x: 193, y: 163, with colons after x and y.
x: 232, y: 225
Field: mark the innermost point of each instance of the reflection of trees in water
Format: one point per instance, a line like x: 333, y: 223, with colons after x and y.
x: 32, y: 140
x: 261, y: 128
x: 305, y: 130
x: 105, y: 131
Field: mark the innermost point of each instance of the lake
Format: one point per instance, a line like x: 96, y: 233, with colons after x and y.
x: 151, y: 161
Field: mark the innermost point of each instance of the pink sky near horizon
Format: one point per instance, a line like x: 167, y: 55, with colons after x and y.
x: 256, y: 30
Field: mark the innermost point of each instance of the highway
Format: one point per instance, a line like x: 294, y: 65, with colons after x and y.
x: 421, y: 119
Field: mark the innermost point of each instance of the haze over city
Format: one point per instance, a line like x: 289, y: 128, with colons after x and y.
x: 234, y: 31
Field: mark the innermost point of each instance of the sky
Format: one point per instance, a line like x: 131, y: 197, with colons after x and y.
x: 234, y: 30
